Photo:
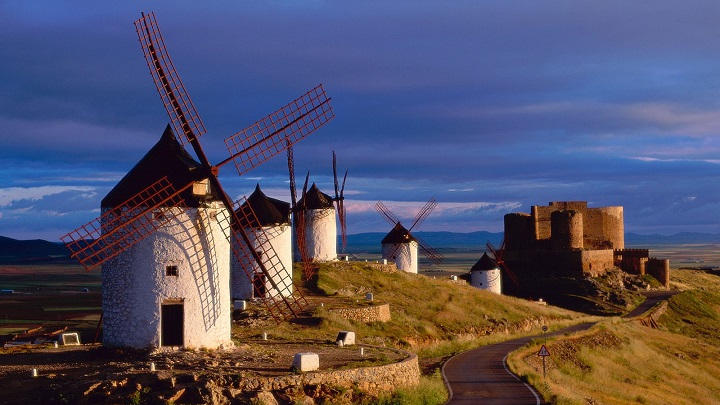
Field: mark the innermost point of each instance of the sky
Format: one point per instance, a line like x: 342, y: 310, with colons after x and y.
x: 489, y: 107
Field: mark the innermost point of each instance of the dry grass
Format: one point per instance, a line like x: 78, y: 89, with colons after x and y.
x: 676, y: 364
x: 432, y: 317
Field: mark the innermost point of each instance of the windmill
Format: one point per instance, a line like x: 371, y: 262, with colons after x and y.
x: 485, y: 275
x: 273, y: 216
x: 314, y: 224
x: 498, y: 256
x: 340, y: 203
x: 299, y: 215
x: 400, y: 246
x: 118, y: 233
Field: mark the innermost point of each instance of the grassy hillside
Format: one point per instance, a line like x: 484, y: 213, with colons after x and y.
x: 622, y: 361
x: 426, y: 313
x: 434, y: 318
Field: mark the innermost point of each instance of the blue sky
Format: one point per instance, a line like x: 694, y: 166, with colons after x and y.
x: 490, y: 107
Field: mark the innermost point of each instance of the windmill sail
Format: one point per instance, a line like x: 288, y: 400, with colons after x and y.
x: 124, y: 226
x: 183, y: 117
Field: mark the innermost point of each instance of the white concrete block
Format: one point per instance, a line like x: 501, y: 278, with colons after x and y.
x: 346, y: 337
x: 70, y: 339
x: 306, y: 361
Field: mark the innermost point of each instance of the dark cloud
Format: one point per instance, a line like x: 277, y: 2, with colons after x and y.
x: 509, y: 104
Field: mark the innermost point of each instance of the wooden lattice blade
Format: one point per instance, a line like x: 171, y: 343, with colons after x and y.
x: 122, y: 227
x: 424, y: 212
x: 432, y: 254
x: 285, y: 302
x: 498, y: 255
x: 272, y: 135
x: 343, y: 224
x: 386, y: 213
x: 510, y: 274
x: 183, y: 117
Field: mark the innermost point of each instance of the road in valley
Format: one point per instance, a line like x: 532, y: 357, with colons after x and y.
x: 481, y: 376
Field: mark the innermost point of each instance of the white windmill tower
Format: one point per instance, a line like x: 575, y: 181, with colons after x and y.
x: 167, y: 290
x: 319, y: 224
x: 400, y: 246
x: 485, y: 274
x: 273, y: 217
x: 315, y: 219
x: 163, y: 238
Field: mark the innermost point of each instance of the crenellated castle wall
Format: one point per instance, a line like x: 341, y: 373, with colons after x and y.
x: 563, y: 227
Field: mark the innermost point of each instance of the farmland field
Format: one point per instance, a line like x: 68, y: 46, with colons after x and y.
x: 49, y: 296
x: 56, y: 296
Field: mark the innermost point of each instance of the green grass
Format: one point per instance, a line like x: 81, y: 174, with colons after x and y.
x: 431, y: 391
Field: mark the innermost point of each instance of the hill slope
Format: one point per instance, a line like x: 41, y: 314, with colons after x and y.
x: 672, y: 360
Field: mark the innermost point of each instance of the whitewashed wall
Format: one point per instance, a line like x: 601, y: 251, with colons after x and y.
x: 321, y: 234
x: 280, y: 238
x: 490, y: 280
x: 406, y: 255
x: 135, y: 285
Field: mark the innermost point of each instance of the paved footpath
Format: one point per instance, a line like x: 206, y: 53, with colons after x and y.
x: 481, y: 376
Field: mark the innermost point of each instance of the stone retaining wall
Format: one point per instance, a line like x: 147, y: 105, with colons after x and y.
x: 373, y: 380
x: 372, y: 313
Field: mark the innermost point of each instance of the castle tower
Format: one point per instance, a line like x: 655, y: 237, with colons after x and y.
x: 320, y: 225
x: 173, y: 287
x: 519, y: 231
x: 274, y: 218
x: 486, y: 275
x: 566, y: 230
x: 400, y: 247
x: 613, y: 226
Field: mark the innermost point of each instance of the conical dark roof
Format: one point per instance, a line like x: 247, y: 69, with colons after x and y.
x: 485, y: 263
x: 316, y: 199
x: 269, y: 211
x: 166, y: 158
x: 398, y: 235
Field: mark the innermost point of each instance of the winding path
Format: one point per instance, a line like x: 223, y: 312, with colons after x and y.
x: 481, y: 376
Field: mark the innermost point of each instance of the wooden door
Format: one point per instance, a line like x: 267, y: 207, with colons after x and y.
x: 172, y: 321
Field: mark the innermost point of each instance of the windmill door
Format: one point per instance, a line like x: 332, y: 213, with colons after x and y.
x: 259, y: 285
x: 172, y: 322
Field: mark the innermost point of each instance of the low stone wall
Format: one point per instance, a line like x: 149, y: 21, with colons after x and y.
x: 650, y: 318
x: 373, y: 380
x: 372, y: 313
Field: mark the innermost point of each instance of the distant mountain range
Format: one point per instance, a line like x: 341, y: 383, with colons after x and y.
x: 477, y: 240
x: 32, y: 251
x: 14, y: 251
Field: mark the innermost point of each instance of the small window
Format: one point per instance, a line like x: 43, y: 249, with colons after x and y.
x: 171, y: 270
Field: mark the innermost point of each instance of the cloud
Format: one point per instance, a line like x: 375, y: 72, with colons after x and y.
x: 12, y: 195
x: 408, y: 209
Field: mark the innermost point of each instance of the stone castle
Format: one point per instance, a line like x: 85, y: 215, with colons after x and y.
x: 567, y: 238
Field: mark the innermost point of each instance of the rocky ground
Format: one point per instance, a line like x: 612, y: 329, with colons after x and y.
x: 93, y: 375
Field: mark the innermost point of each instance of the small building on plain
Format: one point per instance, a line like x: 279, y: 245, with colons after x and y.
x: 486, y: 275
x: 400, y: 247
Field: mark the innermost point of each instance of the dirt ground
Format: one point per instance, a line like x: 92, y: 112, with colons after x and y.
x: 72, y: 371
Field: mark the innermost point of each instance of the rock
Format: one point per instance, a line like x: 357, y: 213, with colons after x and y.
x: 305, y: 400
x: 264, y: 398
